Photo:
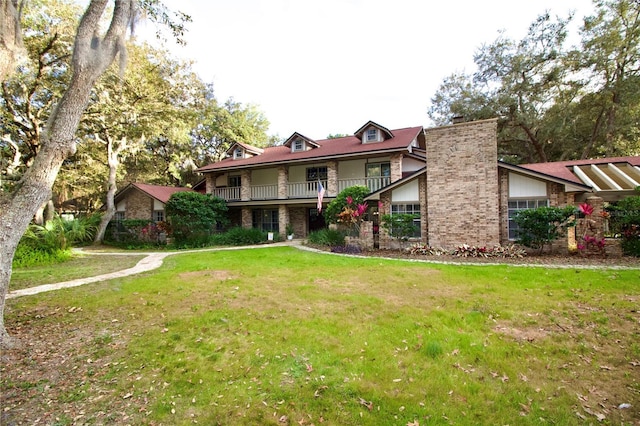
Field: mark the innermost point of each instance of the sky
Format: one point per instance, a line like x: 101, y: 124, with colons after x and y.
x: 320, y: 67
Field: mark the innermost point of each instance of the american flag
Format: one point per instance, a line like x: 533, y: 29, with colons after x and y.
x: 321, y: 191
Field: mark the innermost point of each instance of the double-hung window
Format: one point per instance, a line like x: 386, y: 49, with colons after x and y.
x: 412, y: 209
x: 315, y: 174
x: 378, y: 175
x: 515, y: 205
x: 372, y: 135
x: 158, y: 215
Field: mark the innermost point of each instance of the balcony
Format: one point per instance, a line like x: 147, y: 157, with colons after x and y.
x: 299, y: 189
x: 264, y: 192
x: 304, y: 189
x: 373, y: 183
x: 228, y: 193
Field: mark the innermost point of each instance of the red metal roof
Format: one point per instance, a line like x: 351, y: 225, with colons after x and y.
x: 160, y: 193
x: 562, y: 169
x: 327, y: 148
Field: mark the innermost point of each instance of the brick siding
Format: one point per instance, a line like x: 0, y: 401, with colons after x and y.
x: 139, y: 206
x: 462, y: 184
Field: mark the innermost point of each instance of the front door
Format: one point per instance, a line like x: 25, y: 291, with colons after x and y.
x: 316, y: 220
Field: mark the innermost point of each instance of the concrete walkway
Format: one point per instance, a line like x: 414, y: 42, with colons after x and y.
x: 150, y: 262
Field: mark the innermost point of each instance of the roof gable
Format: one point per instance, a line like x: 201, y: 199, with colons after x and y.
x: 308, y: 142
x: 158, y: 192
x: 384, y: 133
x: 246, y: 149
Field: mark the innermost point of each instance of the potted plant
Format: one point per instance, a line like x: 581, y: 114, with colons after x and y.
x: 289, y: 231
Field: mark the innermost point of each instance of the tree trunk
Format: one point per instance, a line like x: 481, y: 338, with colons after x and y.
x: 11, y: 48
x: 112, y: 159
x: 91, y: 57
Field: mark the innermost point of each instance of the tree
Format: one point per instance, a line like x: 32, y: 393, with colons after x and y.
x: 611, y: 52
x: 219, y: 126
x: 130, y: 111
x: 556, y: 103
x: 193, y: 216
x: 93, y: 52
x: 516, y: 81
x: 28, y: 96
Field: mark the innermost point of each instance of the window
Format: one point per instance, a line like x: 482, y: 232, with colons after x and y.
x: 158, y: 215
x: 413, y: 209
x: 237, y: 153
x: 298, y: 145
x: 266, y: 220
x: 234, y: 181
x: 372, y: 135
x: 517, y: 205
x: 378, y: 175
x: 118, y: 216
x: 315, y: 174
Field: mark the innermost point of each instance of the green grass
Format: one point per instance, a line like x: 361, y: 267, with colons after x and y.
x: 78, y: 267
x: 280, y: 336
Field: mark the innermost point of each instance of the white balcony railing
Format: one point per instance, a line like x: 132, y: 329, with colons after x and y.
x: 264, y: 192
x: 304, y: 189
x: 373, y: 183
x: 299, y: 189
x: 228, y: 194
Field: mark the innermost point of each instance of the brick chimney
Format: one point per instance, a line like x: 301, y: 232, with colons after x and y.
x: 462, y: 184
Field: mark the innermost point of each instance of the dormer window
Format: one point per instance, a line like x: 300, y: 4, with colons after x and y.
x: 298, y: 145
x: 373, y: 132
x: 237, y: 153
x: 372, y: 135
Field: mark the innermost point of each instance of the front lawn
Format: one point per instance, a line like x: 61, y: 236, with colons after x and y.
x: 286, y: 337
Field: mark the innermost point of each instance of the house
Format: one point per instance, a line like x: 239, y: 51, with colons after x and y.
x: 449, y: 176
x: 143, y: 201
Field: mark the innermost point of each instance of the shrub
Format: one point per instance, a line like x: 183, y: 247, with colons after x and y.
x: 327, y: 237
x: 27, y: 255
x: 81, y: 230
x: 541, y: 226
x: 465, y: 250
x: 625, y: 221
x: 351, y: 196
x: 48, y: 243
x: 424, y: 249
x: 238, y: 236
x: 194, y: 217
x: 127, y: 232
x: 400, y: 226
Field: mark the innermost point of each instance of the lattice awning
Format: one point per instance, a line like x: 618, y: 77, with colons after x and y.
x: 608, y: 177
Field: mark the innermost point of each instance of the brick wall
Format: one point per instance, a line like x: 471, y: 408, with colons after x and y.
x: 245, y: 181
x: 503, y: 185
x: 332, y: 179
x: 283, y: 180
x: 396, y: 166
x: 298, y: 218
x: 139, y: 206
x: 462, y: 184
x: 247, y: 219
